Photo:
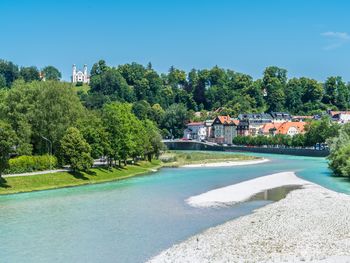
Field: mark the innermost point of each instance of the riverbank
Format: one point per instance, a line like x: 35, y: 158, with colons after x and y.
x: 44, y: 181
x: 207, y: 159
x: 244, y: 191
x: 19, y: 184
x: 310, y: 224
x: 226, y: 163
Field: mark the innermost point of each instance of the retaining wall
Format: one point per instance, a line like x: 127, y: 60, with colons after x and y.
x: 192, y: 145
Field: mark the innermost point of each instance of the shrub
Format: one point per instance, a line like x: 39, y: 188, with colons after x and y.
x: 25, y: 164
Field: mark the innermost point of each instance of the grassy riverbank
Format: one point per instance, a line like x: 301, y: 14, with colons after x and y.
x: 11, y: 185
x: 179, y: 158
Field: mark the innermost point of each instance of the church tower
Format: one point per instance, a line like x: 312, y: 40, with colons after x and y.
x: 80, y: 76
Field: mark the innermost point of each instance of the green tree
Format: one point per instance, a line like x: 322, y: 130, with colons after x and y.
x: 118, y: 121
x: 29, y: 73
x: 9, y: 72
x: 76, y: 151
x: 274, y: 82
x: 174, y: 120
x: 93, y: 131
x: 8, y: 141
x: 320, y: 131
x: 51, y: 73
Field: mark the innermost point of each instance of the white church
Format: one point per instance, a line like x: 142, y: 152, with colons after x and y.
x: 80, y: 76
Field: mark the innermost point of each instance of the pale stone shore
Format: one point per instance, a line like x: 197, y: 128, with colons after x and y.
x: 311, y: 224
x: 243, y: 191
x: 225, y: 163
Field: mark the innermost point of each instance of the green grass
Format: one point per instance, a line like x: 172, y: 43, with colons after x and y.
x: 84, y: 88
x: 178, y: 158
x: 11, y: 185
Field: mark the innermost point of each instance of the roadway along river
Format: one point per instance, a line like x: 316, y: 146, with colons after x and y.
x: 134, y: 219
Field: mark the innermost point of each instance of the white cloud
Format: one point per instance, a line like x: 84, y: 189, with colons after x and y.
x: 336, y: 35
x: 335, y: 39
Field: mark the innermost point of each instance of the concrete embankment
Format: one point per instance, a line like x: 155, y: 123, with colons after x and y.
x: 193, y: 145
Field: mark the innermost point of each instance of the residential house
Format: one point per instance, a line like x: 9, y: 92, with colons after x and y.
x: 195, y: 131
x: 269, y: 129
x: 254, y: 121
x: 224, y: 129
x: 292, y: 128
x: 340, y: 116
x: 287, y: 128
x: 280, y: 117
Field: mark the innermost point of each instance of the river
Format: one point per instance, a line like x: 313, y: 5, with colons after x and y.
x: 134, y: 219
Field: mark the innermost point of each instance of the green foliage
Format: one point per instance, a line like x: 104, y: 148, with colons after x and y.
x: 277, y: 140
x: 24, y: 164
x: 51, y: 73
x: 320, y: 131
x: 339, y: 158
x: 39, y: 109
x: 29, y: 74
x: 174, y: 120
x: 75, y: 151
x: 8, y: 141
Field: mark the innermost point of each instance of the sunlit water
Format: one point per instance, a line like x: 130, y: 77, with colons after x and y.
x: 134, y: 219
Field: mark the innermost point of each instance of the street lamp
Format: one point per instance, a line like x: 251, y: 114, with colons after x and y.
x: 49, y: 148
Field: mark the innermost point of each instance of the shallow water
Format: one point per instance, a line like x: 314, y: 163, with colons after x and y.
x: 134, y: 219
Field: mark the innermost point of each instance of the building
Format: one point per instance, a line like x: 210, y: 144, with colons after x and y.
x: 280, y: 117
x: 287, y: 128
x: 253, y: 122
x: 195, y: 131
x: 269, y: 129
x: 340, y: 116
x: 302, y: 117
x: 224, y: 129
x: 80, y: 76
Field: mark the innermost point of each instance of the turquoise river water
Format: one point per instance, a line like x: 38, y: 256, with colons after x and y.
x: 134, y: 219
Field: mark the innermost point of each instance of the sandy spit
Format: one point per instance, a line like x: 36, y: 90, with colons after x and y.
x: 243, y: 191
x: 227, y: 163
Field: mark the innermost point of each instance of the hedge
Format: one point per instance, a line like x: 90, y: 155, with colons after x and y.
x: 25, y: 164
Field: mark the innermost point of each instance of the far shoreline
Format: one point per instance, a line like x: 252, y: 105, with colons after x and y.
x: 66, y: 179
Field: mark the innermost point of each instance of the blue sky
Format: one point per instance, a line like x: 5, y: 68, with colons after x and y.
x: 307, y: 37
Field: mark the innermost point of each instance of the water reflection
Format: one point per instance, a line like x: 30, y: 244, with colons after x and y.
x: 275, y: 194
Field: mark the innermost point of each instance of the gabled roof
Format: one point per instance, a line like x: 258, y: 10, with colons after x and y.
x: 269, y: 126
x: 225, y: 120
x: 299, y: 125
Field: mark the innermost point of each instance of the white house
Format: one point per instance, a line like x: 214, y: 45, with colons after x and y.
x: 195, y: 131
x: 80, y: 76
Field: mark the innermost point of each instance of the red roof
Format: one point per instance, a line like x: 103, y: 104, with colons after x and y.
x: 299, y: 125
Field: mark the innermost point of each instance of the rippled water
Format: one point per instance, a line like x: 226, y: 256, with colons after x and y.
x: 134, y: 219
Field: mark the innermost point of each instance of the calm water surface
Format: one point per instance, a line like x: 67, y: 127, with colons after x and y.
x: 134, y: 219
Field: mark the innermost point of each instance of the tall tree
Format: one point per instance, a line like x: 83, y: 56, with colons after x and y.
x: 274, y: 82
x: 51, y: 73
x: 8, y: 140
x: 75, y: 150
x: 29, y: 73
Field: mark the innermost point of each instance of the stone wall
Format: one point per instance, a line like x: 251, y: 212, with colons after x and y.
x: 191, y: 145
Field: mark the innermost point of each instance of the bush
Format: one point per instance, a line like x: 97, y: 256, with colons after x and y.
x: 25, y: 164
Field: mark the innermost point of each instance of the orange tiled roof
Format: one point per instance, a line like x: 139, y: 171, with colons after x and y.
x: 268, y: 126
x: 299, y: 125
x: 224, y: 119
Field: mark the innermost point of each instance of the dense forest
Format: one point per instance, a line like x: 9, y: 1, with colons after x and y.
x: 53, y: 115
